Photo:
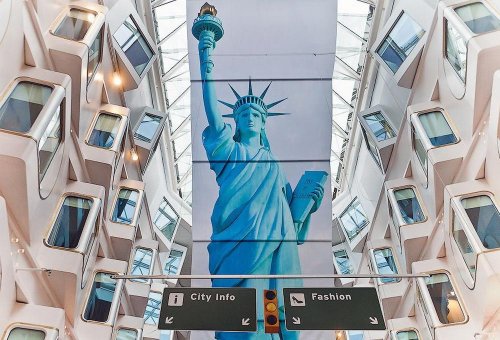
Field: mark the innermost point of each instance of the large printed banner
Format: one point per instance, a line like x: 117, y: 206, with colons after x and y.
x: 261, y: 127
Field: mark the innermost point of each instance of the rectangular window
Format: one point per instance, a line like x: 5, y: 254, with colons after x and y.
x: 49, y: 142
x: 379, y: 126
x: 343, y: 261
x: 152, y: 313
x: 485, y: 219
x: 444, y: 298
x: 100, y: 298
x: 478, y: 18
x: 372, y: 148
x: 166, y: 220
x: 353, y: 219
x: 463, y: 244
x: 126, y: 334
x: 456, y: 49
x: 173, y: 263
x: 355, y: 335
x: 408, y: 205
x: 407, y: 335
x: 400, y: 41
x: 142, y: 263
x: 22, y: 107
x: 125, y: 206
x: 134, y: 45
x: 148, y: 127
x: 70, y: 222
x: 21, y: 333
x: 420, y: 150
x: 437, y: 128
x: 94, y: 56
x: 75, y: 24
x: 105, y: 130
x: 385, y: 264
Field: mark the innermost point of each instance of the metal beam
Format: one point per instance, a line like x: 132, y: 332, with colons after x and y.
x: 266, y: 277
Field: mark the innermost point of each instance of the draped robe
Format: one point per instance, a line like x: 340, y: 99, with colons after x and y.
x: 252, y: 227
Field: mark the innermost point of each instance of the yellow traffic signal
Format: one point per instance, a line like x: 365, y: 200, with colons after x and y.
x: 271, y: 315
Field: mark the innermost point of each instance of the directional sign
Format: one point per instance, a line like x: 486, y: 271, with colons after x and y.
x: 332, y: 309
x: 209, y: 309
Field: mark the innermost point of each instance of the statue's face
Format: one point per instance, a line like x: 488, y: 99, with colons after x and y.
x: 250, y: 122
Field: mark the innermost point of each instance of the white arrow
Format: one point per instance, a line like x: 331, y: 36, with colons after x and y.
x: 169, y: 320
x: 373, y: 320
x: 296, y: 320
x: 245, y: 322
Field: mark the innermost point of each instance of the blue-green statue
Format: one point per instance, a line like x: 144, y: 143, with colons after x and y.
x: 253, y: 229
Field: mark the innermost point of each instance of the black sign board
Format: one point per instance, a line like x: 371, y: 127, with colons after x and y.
x: 333, y: 309
x: 209, y: 309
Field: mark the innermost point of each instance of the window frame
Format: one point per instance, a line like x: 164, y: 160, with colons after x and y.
x: 151, y: 266
x: 115, y: 301
x: 138, y: 330
x: 159, y: 309
x: 177, y: 223
x: 458, y: 211
x: 394, y: 333
x: 375, y: 267
x: 363, y: 227
x: 101, y: 52
x: 416, y: 127
x: 176, y: 247
x: 157, y: 130
x: 51, y: 333
x: 122, y: 126
x: 337, y: 265
x: 423, y: 297
x: 133, y: 222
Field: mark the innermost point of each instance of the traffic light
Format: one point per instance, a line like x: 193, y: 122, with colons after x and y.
x: 271, y: 315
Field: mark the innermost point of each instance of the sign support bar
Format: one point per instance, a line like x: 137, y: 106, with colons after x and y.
x: 265, y: 277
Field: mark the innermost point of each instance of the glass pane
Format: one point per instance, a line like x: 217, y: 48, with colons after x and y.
x: 437, y: 128
x: 152, y: 313
x: 125, y: 206
x: 478, y: 18
x: 94, y: 55
x: 100, y: 298
x: 379, y: 126
x: 372, y: 148
x: 142, y: 263
x: 444, y: 299
x: 485, y: 218
x: 385, y: 264
x: 49, y: 142
x: 134, y: 45
x: 456, y: 50
x: 147, y: 128
x: 400, y: 42
x: 19, y: 333
x: 343, y: 261
x: 468, y: 253
x: 353, y: 219
x: 408, y: 205
x: 105, y: 130
x: 22, y: 107
x: 173, y: 263
x: 70, y: 222
x: 355, y: 335
x: 166, y: 220
x: 406, y: 335
x: 75, y: 24
x: 420, y: 150
x: 126, y: 334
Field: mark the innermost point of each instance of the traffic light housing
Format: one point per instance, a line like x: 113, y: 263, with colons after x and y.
x: 271, y: 313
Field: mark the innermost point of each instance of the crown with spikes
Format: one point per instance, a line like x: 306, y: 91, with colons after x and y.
x: 251, y: 99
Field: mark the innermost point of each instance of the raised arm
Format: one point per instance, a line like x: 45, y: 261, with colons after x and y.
x: 205, y: 48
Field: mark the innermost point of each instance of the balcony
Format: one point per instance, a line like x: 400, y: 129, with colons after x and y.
x: 75, y: 41
x: 437, y: 151
x: 136, y: 50
x: 71, y: 243
x: 34, y: 123
x: 383, y: 260
x: 408, y: 218
x: 470, y: 33
x: 379, y: 135
x: 143, y: 261
x: 147, y: 133
x: 122, y: 218
x: 104, y: 145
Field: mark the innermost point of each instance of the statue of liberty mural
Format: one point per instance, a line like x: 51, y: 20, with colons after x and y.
x: 253, y: 231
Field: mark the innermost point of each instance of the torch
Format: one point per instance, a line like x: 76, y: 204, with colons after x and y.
x: 207, y: 24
